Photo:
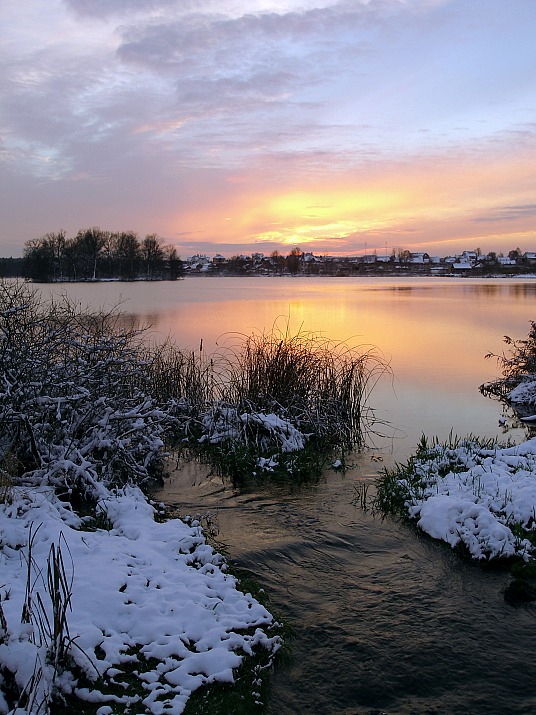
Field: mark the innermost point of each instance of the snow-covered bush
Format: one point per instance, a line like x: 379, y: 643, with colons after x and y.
x: 263, y: 431
x: 76, y: 409
x: 517, y: 385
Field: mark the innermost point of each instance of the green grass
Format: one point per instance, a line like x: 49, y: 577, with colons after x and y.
x: 394, y: 486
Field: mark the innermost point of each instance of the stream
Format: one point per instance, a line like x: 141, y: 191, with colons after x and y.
x: 385, y: 620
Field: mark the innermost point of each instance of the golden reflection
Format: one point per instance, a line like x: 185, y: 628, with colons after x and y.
x: 426, y: 338
x: 435, y: 331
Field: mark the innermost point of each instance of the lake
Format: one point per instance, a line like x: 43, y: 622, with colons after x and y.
x: 385, y: 620
x: 434, y: 332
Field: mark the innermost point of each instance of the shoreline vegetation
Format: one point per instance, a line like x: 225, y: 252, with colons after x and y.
x: 94, y: 254
x: 479, y: 496
x: 108, y: 604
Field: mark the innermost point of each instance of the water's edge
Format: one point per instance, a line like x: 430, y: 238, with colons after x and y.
x: 384, y: 619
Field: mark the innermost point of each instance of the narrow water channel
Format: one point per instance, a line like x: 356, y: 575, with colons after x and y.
x: 385, y: 620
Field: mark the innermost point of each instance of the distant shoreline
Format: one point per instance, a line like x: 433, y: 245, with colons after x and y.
x: 203, y: 276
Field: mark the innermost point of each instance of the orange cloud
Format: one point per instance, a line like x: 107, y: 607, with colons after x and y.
x: 437, y: 202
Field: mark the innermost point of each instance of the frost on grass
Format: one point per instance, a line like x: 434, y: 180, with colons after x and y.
x: 156, y: 590
x: 90, y: 584
x: 517, y: 384
x: 468, y: 494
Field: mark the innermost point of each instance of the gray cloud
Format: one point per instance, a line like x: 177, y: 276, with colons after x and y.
x: 109, y: 8
x: 508, y: 213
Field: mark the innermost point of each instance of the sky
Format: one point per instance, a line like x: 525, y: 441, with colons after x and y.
x: 341, y: 127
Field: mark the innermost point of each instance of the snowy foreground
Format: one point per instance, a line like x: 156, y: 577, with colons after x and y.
x: 136, y: 585
x: 483, y: 499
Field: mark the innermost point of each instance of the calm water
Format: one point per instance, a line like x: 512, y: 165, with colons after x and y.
x: 435, y: 333
x: 385, y: 621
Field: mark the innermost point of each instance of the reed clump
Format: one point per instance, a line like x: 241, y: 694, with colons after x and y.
x: 321, y: 385
x: 280, y: 403
x: 88, y: 400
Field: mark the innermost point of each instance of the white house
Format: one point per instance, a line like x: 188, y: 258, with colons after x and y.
x: 468, y: 257
x: 420, y: 258
x: 462, y: 266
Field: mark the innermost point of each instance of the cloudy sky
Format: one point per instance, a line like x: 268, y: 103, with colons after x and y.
x: 231, y: 126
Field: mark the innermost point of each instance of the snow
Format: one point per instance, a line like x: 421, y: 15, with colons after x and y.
x: 141, y: 584
x: 524, y: 393
x: 223, y: 423
x: 479, y: 498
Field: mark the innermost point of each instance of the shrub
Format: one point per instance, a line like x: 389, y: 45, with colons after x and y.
x: 75, y: 400
x: 518, y: 368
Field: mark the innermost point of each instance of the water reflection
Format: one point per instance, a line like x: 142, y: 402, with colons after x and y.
x: 435, y: 332
x: 385, y: 620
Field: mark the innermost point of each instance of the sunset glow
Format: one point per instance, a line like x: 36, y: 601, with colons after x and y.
x: 333, y: 126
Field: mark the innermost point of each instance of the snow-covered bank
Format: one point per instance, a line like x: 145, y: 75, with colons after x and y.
x: 470, y: 495
x: 138, y: 585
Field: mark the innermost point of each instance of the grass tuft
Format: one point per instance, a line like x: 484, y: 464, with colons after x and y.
x: 279, y: 404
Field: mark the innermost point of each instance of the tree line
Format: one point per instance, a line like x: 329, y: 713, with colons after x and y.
x: 94, y: 254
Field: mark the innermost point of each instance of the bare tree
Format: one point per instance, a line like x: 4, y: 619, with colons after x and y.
x: 152, y: 251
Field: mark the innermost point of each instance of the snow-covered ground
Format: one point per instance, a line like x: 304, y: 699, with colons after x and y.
x: 137, y: 584
x: 484, y: 499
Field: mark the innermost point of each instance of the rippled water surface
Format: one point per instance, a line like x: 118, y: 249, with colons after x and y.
x: 385, y: 620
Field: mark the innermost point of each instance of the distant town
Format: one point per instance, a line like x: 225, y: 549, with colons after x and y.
x: 397, y: 263
x: 94, y: 254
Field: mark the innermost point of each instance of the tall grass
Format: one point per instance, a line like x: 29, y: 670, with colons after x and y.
x: 278, y: 403
x: 87, y: 398
x: 184, y: 376
x: 320, y: 385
